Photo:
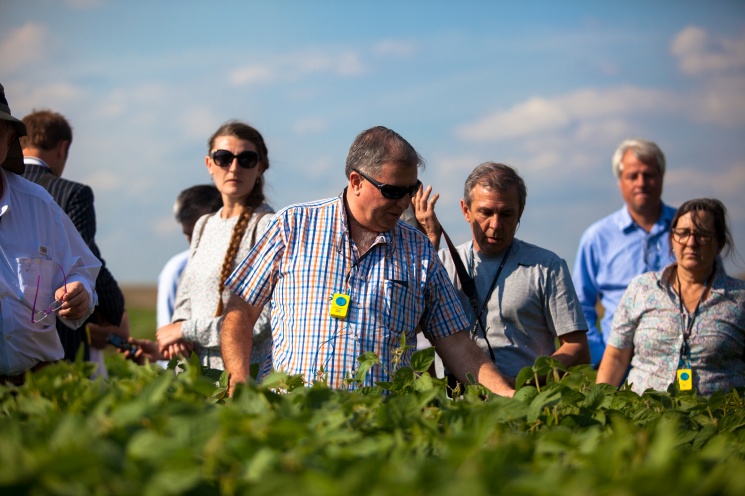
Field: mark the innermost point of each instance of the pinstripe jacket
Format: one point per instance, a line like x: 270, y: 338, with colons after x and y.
x: 77, y: 201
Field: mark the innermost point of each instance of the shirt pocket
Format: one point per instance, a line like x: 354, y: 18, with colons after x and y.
x: 33, y: 273
x: 402, y: 308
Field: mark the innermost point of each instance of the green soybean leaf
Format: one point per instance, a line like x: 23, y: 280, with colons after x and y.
x: 525, y: 374
x: 422, y: 359
x: 545, y: 398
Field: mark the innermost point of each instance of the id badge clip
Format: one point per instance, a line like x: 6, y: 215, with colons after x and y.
x: 339, y: 306
x: 685, y: 379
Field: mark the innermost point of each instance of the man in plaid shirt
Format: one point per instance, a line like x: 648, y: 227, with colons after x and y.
x: 344, y: 276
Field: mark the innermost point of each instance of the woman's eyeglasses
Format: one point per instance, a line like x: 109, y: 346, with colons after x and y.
x: 702, y: 238
x: 53, y: 307
x: 390, y: 191
x: 224, y: 158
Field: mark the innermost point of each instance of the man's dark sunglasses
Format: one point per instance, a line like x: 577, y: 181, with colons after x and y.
x: 224, y: 158
x: 390, y: 191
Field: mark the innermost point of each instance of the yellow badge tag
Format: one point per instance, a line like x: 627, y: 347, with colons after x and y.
x: 339, y: 306
x: 685, y: 379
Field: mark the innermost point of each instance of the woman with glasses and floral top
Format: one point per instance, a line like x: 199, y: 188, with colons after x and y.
x: 236, y: 160
x: 684, y: 325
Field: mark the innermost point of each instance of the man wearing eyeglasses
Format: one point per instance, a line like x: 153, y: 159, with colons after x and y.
x: 344, y: 276
x: 626, y: 243
x: 45, y: 266
x: 46, y: 149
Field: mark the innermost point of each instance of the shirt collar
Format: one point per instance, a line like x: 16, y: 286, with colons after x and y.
x: 5, y: 195
x: 626, y: 223
x: 35, y: 161
x: 718, y: 285
x: 384, y: 237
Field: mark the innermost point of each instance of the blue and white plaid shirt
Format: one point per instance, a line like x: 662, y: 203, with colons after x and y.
x: 306, y: 256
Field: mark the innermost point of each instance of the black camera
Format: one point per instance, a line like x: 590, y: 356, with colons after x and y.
x: 121, y: 343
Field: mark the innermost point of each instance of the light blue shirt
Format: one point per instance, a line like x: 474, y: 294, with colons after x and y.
x: 611, y: 253
x: 37, y: 243
x: 167, y: 285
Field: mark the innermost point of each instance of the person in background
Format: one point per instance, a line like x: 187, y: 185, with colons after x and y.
x: 46, y: 148
x: 626, y: 243
x: 345, y: 276
x: 46, y: 269
x: 685, y: 323
x: 524, y: 297
x: 237, y: 158
x: 191, y: 204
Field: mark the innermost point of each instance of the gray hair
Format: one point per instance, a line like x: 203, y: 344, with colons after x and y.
x: 496, y: 177
x: 377, y: 146
x: 646, y: 151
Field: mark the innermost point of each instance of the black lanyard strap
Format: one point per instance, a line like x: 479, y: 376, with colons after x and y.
x: 469, y: 286
x: 688, y: 318
x: 493, y: 283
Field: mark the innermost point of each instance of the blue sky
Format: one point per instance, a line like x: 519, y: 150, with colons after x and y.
x: 548, y: 87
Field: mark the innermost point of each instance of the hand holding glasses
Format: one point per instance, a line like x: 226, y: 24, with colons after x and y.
x: 55, y: 306
x: 248, y: 159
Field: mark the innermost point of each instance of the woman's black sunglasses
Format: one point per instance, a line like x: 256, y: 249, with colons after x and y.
x: 392, y: 192
x: 224, y: 158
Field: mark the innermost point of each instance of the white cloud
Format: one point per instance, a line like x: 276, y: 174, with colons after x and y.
x: 395, y: 48
x: 251, y: 74
x: 55, y: 96
x: 297, y: 65
x: 600, y: 114
x: 699, y: 53
x: 722, y: 183
x: 24, y: 46
x: 199, y: 122
x: 103, y: 180
x: 130, y: 99
x: 722, y: 101
x: 578, y: 108
x: 603, y: 129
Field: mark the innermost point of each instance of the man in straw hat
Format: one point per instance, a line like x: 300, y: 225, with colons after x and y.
x: 45, y: 266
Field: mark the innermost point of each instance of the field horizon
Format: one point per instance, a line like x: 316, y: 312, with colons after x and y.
x: 140, y: 296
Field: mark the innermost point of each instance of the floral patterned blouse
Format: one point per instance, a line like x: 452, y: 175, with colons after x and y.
x: 649, y: 320
x: 197, y: 296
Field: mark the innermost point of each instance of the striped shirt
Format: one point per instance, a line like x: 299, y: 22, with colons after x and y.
x: 307, y: 256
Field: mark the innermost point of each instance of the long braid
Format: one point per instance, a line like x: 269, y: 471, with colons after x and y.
x: 227, y: 264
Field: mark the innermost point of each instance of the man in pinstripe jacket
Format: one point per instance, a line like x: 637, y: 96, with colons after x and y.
x: 45, y: 151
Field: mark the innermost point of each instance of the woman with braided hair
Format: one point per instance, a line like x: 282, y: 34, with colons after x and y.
x: 236, y: 161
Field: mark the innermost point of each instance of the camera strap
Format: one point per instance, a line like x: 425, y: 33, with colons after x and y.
x: 469, y: 286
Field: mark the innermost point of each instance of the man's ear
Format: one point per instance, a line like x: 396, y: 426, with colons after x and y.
x: 355, y: 182
x: 63, y: 148
x: 466, y: 211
